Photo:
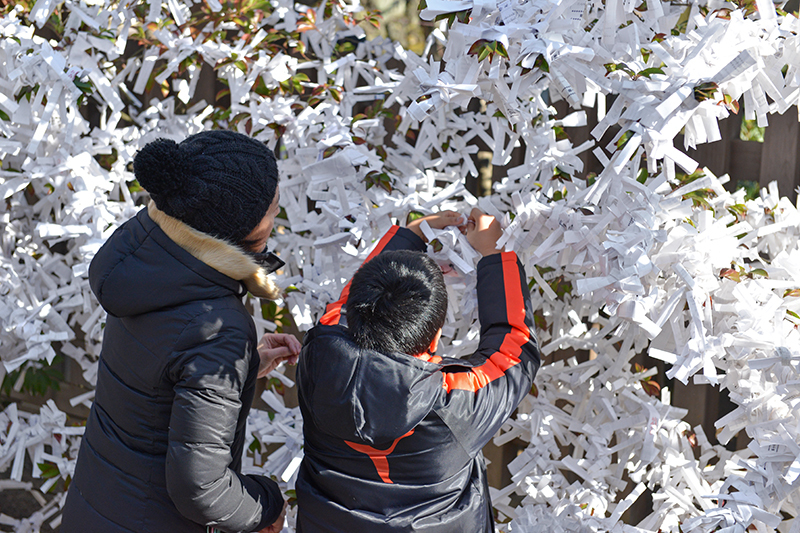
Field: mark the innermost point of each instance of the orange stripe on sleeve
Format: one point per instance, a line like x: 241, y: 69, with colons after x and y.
x: 507, y: 355
x: 334, y: 310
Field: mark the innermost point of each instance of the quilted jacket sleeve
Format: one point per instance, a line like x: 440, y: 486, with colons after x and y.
x: 486, y: 389
x: 209, y: 378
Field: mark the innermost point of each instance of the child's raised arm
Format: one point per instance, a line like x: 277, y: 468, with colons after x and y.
x: 483, y: 392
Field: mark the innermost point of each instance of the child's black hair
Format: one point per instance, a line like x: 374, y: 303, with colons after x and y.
x: 397, y: 303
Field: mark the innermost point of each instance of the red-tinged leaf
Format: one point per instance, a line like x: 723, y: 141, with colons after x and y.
x: 534, y: 391
x: 336, y: 94
x: 731, y: 274
x: 792, y: 292
x: 652, y: 388
x: 476, y: 47
x: 485, y: 51
x: 222, y: 93
x: 359, y: 140
x: 792, y: 314
x: 760, y: 272
x: 692, y: 438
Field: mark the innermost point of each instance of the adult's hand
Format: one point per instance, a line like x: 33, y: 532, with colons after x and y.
x: 275, y: 348
x: 277, y: 526
x: 483, y: 232
x: 438, y: 220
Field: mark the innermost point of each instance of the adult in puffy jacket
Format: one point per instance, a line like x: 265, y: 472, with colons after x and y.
x: 177, y: 372
x: 393, y: 434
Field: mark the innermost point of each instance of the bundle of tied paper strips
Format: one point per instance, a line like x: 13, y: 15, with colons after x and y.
x: 637, y: 259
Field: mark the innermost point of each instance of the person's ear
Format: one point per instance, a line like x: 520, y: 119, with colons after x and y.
x: 435, y: 342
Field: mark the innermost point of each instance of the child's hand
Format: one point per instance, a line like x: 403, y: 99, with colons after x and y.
x: 274, y: 348
x: 483, y: 232
x: 438, y: 221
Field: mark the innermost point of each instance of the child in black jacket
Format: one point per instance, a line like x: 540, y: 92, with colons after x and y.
x: 393, y: 434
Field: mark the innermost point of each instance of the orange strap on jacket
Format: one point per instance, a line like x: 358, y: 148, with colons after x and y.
x: 379, y: 456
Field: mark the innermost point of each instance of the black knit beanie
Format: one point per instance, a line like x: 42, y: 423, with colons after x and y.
x: 218, y: 182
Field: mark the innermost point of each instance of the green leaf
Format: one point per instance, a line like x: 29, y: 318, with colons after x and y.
x: 738, y: 210
x: 48, y: 470
x: 649, y: 72
x: 541, y: 63
x: 412, y: 216
x: 255, y: 446
x: 623, y: 140
x: 705, y: 91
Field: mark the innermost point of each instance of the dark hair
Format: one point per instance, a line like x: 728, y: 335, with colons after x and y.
x: 397, y: 303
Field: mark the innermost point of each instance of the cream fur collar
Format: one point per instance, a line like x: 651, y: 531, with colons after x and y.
x: 217, y: 253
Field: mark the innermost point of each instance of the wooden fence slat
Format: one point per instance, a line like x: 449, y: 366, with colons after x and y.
x: 779, y: 156
x: 745, y: 161
x: 716, y: 156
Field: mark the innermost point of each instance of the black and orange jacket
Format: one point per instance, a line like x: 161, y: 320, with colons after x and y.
x: 393, y: 441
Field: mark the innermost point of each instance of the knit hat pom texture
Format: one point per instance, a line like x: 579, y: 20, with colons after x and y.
x: 219, y: 182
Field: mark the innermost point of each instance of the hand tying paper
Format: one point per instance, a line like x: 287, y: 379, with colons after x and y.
x: 275, y: 348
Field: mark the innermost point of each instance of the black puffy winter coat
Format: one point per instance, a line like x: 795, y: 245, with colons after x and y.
x: 163, y: 444
x: 393, y: 441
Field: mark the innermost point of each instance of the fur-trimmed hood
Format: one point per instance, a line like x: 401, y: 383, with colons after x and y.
x: 154, y: 261
x: 217, y: 253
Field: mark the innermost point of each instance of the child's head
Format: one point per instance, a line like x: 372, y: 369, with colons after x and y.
x: 397, y: 303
